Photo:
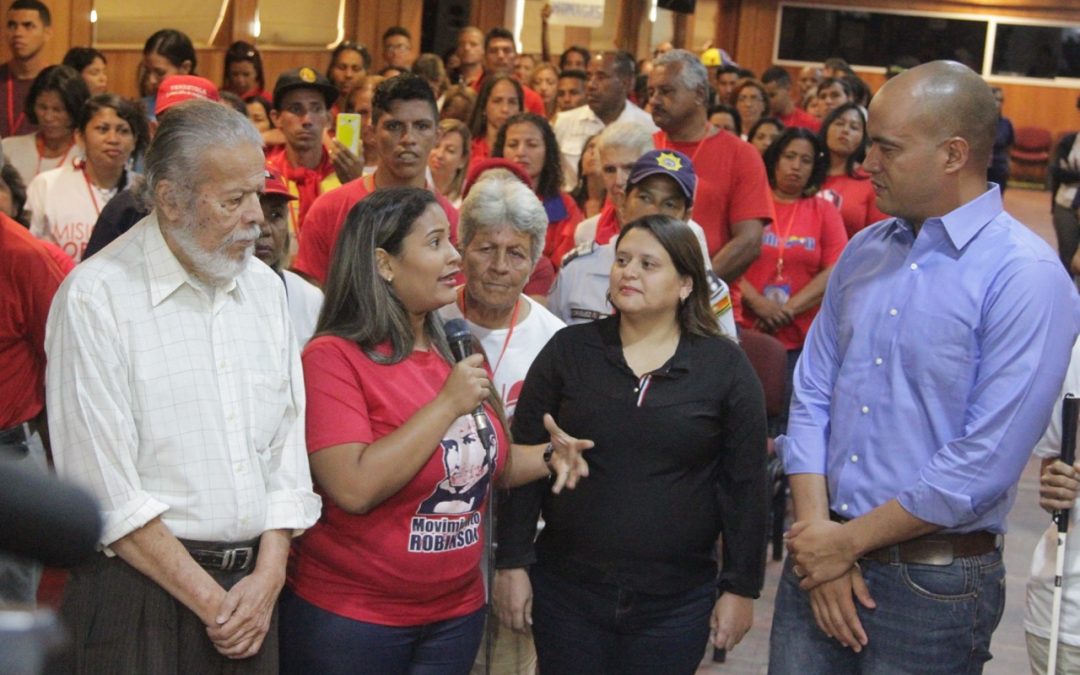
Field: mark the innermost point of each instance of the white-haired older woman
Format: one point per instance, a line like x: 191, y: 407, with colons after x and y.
x: 502, y: 229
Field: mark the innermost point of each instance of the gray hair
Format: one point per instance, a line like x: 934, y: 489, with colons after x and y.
x: 692, y: 73
x: 186, y: 134
x: 500, y: 198
x: 629, y: 135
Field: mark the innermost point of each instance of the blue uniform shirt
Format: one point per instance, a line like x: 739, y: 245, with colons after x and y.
x: 933, y: 366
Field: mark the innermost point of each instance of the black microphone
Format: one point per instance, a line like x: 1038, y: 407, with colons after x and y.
x: 46, y: 520
x: 460, y: 341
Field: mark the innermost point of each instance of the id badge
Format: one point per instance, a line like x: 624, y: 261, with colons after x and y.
x: 778, y: 291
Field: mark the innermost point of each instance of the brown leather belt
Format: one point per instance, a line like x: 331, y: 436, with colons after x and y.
x: 938, y: 548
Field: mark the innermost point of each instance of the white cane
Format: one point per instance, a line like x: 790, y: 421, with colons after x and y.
x: 1069, y: 409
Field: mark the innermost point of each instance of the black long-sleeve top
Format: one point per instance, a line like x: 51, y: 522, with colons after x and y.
x: 1058, y: 173
x: 679, y: 456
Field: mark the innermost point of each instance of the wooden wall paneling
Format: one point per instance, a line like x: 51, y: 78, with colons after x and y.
x: 726, y: 35
x: 487, y: 14
x: 241, y: 20
x: 81, y: 32
x: 630, y: 17
x: 365, y: 27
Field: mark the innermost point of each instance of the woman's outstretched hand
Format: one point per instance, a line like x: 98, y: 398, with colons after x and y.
x: 567, y: 464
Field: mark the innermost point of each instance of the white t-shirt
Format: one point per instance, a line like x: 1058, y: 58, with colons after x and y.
x: 1040, y: 588
x: 576, y: 126
x: 305, y: 303
x: 529, y: 337
x: 64, y: 207
x: 21, y: 152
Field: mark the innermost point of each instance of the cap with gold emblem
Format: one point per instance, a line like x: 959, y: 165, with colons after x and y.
x: 304, y: 78
x: 670, y: 163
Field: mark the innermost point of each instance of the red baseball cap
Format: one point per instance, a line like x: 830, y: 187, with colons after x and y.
x: 275, y: 186
x: 176, y: 89
x: 478, y: 169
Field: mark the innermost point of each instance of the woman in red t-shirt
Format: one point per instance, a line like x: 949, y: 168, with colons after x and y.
x: 782, y: 289
x: 499, y: 99
x: 403, y: 446
x: 528, y: 140
x: 847, y: 186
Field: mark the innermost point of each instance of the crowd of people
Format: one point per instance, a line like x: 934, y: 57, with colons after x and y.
x: 481, y: 405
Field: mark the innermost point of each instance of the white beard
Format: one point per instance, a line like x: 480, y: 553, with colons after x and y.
x: 215, y: 267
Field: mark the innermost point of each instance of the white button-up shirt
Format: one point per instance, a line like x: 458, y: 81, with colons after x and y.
x: 574, y: 127
x: 165, y: 401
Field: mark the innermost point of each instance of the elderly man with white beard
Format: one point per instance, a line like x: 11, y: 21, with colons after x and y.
x: 176, y: 396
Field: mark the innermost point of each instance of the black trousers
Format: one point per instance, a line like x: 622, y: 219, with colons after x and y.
x: 119, y: 621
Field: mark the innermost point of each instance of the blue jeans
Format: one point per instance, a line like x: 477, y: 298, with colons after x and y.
x: 929, y: 619
x: 314, y: 640
x: 596, y: 628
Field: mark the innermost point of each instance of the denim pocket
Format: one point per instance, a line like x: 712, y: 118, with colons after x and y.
x: 940, y: 582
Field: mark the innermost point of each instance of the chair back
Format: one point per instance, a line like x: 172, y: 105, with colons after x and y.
x: 768, y: 357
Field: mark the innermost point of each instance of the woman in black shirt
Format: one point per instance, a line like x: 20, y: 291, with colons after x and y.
x: 623, y: 574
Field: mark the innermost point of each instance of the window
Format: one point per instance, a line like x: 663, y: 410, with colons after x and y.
x: 878, y: 38
x: 871, y: 38
x: 128, y: 24
x: 288, y: 23
x: 1037, y: 51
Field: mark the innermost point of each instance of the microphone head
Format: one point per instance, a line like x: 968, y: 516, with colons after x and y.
x: 457, y: 330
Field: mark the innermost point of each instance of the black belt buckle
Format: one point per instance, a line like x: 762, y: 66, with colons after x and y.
x: 237, y: 559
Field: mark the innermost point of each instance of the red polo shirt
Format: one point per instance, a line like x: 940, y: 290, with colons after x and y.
x: 326, y: 217
x: 29, y: 278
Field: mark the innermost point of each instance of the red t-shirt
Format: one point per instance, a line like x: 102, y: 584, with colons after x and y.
x: 542, y: 278
x: 801, y: 118
x: 814, y: 236
x: 856, y: 200
x: 563, y: 218
x: 415, y: 558
x: 29, y: 278
x: 731, y: 187
x: 327, y: 215
x: 480, y: 151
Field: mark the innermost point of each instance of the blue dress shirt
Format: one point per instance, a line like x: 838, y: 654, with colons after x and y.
x: 933, y: 366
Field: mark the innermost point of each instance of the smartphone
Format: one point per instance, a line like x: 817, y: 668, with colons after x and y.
x: 348, y: 131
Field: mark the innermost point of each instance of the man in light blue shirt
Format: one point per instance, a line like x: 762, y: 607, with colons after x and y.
x: 926, y: 380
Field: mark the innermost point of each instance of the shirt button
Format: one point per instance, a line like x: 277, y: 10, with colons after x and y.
x: 893, y: 312
x: 854, y: 458
x: 238, y: 467
x: 878, y: 361
x: 637, y: 389
x: 232, y: 417
x: 843, y: 507
x: 865, y: 409
x: 914, y: 266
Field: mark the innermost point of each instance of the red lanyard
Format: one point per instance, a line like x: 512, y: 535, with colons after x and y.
x: 13, y: 123
x: 90, y: 188
x: 783, y: 237
x: 509, y: 333
x: 665, y: 143
x: 39, y: 143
